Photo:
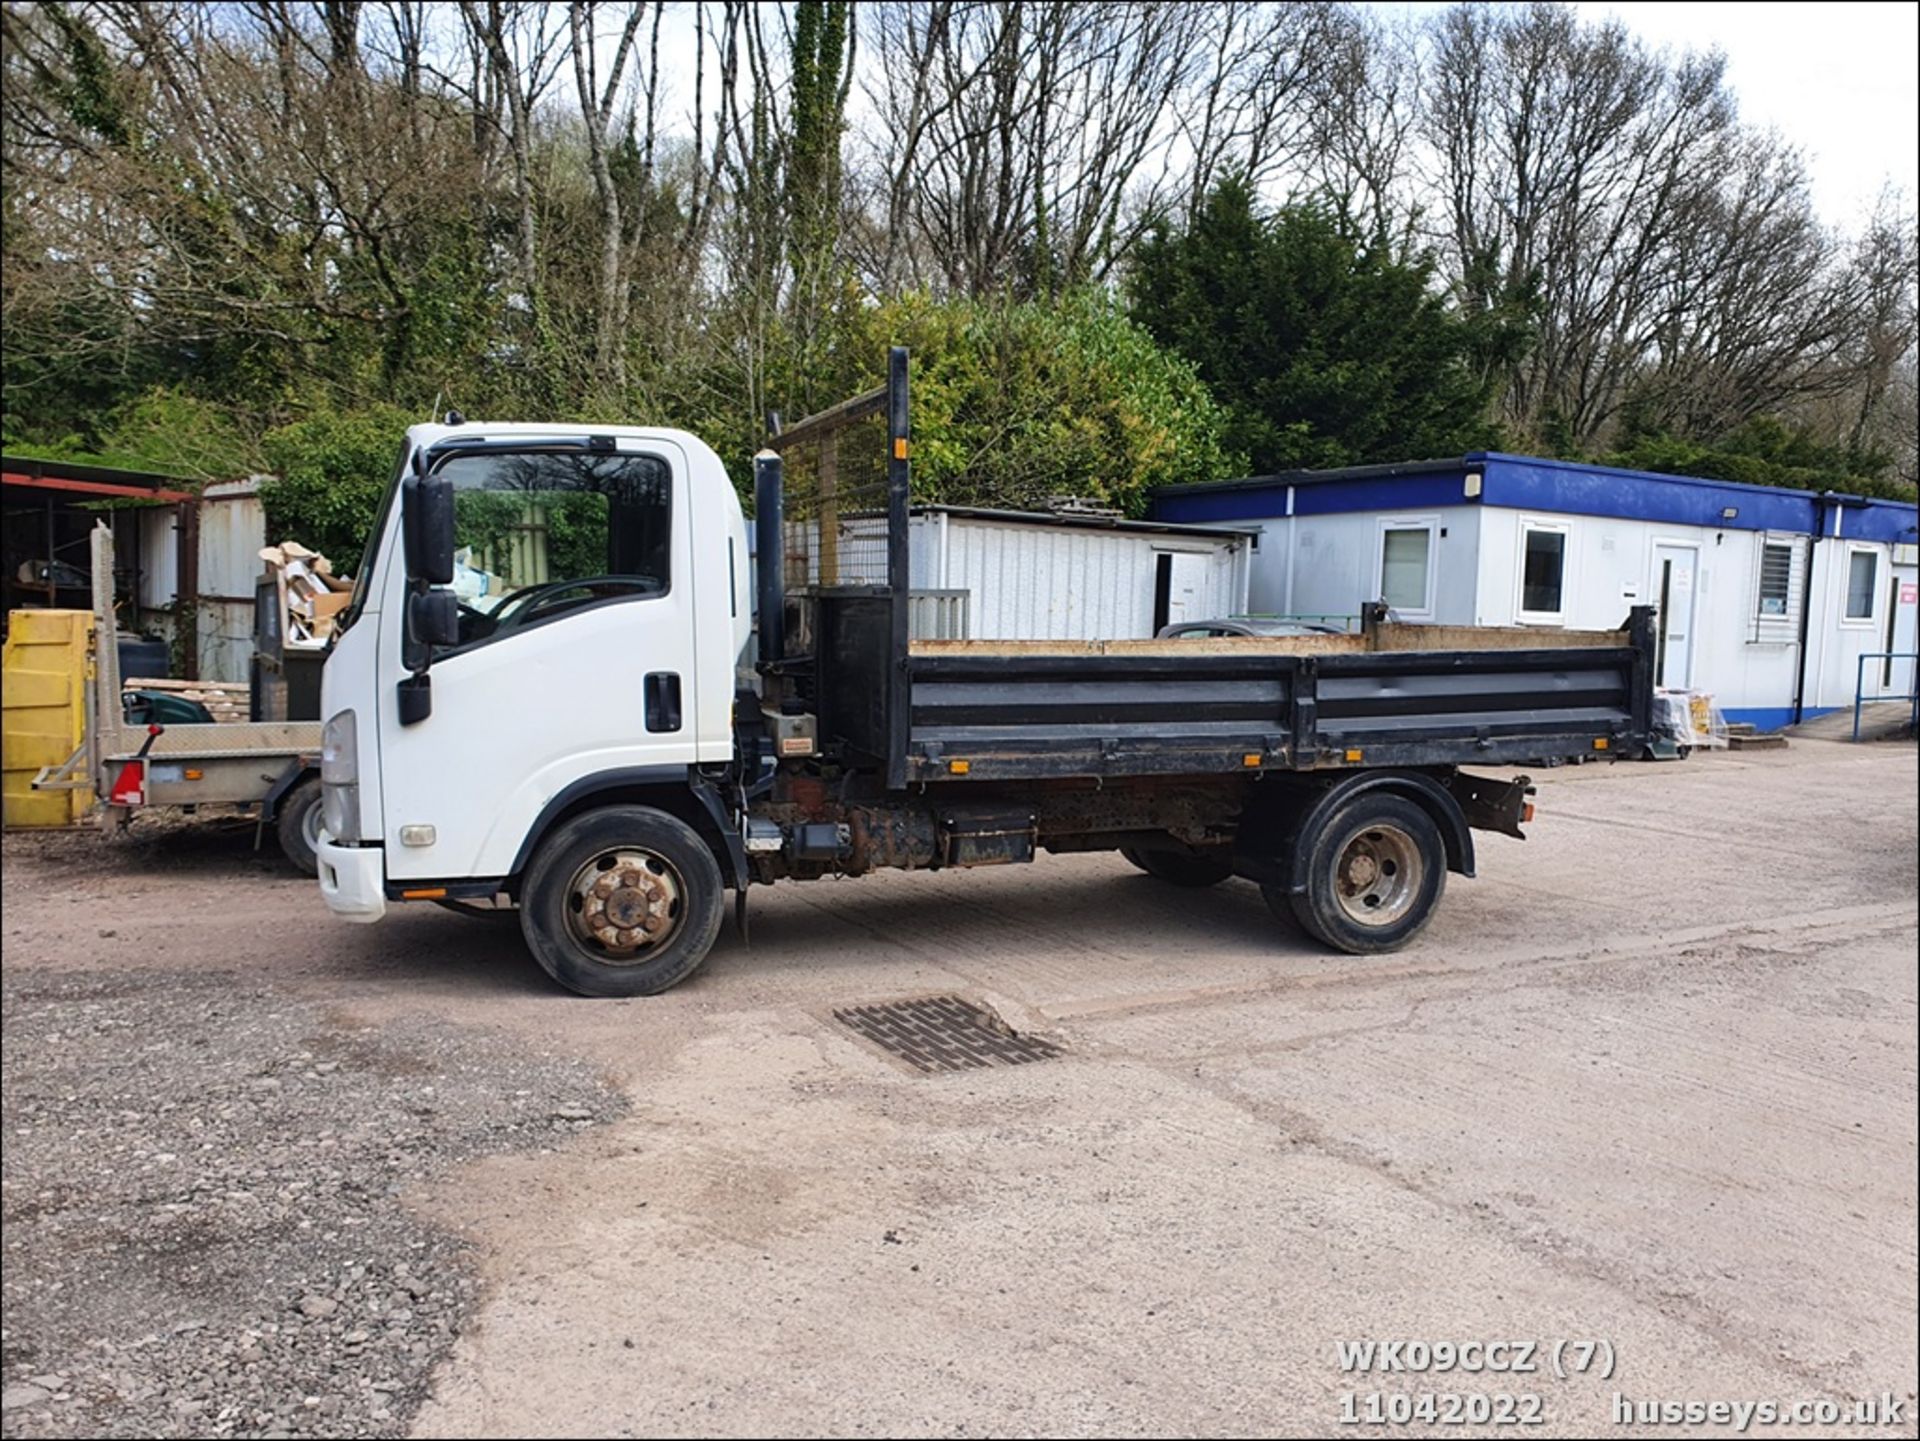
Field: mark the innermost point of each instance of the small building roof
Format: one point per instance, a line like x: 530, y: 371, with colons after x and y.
x: 1525, y: 482
x: 97, y: 480
x: 1074, y: 521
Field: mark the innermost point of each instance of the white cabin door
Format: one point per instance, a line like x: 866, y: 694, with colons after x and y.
x: 1673, y: 588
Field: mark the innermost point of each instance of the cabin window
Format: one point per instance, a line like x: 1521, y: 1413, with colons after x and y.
x: 1543, y: 565
x: 1776, y: 581
x: 1406, y: 566
x: 1863, y: 573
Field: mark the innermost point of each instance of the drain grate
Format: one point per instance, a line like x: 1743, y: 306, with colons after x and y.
x: 944, y: 1033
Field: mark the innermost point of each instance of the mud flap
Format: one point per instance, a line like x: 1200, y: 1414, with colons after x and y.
x: 1491, y: 805
x: 709, y: 796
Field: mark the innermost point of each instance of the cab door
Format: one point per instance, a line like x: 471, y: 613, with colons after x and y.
x: 575, y: 575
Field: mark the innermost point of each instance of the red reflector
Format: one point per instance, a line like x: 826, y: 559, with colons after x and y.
x: 127, y: 790
x: 1526, y: 811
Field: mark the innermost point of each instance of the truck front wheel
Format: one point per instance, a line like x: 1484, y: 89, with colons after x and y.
x: 624, y: 901
x: 1177, y: 869
x: 1375, y: 872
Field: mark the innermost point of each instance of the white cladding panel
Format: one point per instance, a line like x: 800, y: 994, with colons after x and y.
x: 233, y: 528
x: 1337, y: 563
x: 1041, y: 581
x: 232, y: 531
x: 159, y: 557
x: 1745, y: 654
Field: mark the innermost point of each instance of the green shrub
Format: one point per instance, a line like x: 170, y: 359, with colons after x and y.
x: 1013, y: 403
x: 330, y: 471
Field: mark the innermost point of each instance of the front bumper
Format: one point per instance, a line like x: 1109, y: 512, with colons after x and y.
x: 352, y: 880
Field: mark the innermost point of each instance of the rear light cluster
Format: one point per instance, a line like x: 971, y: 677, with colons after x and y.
x: 129, y: 787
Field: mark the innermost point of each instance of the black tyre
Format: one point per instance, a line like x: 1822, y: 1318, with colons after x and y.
x: 297, y: 826
x: 1177, y: 869
x: 1375, y: 872
x: 624, y: 901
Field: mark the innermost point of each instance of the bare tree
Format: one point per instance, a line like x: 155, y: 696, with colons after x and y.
x: 515, y: 52
x: 1364, y: 113
x: 598, y: 95
x: 1027, y: 142
x: 1266, y: 91
x: 1667, y: 258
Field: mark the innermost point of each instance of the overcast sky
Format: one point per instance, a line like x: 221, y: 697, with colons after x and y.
x: 1839, y: 81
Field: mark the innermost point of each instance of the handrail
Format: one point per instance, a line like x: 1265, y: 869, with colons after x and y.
x: 1860, y: 684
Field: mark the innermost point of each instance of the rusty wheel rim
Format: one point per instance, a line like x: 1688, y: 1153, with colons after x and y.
x: 626, y: 904
x: 1378, y: 875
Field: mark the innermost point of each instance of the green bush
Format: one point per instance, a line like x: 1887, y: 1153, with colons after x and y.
x: 1013, y: 403
x: 330, y: 471
x: 1766, y: 451
x: 164, y: 432
x: 1323, y: 348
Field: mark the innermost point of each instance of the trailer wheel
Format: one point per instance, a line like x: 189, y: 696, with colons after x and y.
x: 297, y: 826
x: 1177, y: 869
x: 624, y: 901
x: 1375, y: 872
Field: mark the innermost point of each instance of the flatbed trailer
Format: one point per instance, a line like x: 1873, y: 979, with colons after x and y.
x: 269, y: 766
x: 616, y: 803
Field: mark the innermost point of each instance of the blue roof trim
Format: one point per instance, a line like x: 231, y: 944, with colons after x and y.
x: 1331, y: 495
x: 1520, y: 482
x: 1890, y: 521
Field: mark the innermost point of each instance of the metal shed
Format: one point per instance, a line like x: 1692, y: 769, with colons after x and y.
x: 171, y: 542
x: 984, y: 574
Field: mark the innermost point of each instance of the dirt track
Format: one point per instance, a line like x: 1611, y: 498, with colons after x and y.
x: 1650, y: 1080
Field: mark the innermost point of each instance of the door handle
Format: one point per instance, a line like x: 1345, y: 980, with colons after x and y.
x: 661, y: 696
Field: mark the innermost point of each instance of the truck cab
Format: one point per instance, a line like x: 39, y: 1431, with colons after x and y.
x: 580, y: 639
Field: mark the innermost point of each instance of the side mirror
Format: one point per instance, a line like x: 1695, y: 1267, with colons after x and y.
x: 426, y: 521
x: 433, y: 618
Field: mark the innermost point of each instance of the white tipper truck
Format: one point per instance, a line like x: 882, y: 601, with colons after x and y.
x: 533, y: 704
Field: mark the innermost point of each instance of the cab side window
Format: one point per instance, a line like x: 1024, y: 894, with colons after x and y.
x: 540, y: 534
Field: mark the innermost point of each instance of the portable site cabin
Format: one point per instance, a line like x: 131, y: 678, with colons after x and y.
x: 1768, y: 597
x: 980, y: 574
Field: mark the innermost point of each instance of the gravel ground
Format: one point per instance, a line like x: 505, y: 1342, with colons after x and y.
x: 203, y: 1200
x: 1649, y: 1079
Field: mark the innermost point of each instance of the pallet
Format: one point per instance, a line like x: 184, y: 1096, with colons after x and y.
x: 1756, y: 742
x: 226, y: 700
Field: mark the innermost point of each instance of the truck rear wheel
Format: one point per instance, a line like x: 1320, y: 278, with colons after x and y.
x: 624, y: 901
x: 1375, y: 872
x: 1177, y: 869
x: 297, y: 826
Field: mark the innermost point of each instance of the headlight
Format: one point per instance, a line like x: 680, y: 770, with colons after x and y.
x: 340, y: 778
x: 339, y: 750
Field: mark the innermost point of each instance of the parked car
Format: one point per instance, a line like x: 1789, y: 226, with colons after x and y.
x: 1244, y: 625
